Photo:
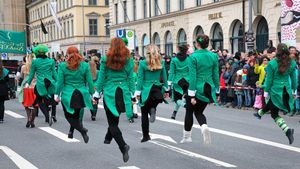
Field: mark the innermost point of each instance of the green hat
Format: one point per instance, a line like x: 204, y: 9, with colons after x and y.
x: 125, y: 40
x: 40, y: 50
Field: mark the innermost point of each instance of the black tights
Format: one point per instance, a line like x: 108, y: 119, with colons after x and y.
x: 150, y: 103
x: 197, y: 110
x: 113, y: 130
x: 2, y: 109
x: 73, y: 119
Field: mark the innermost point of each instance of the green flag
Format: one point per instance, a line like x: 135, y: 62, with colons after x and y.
x: 12, y: 42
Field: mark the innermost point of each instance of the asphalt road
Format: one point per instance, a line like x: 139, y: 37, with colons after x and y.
x: 238, y: 141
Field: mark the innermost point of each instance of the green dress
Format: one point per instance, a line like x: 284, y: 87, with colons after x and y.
x: 178, y: 70
x: 275, y: 83
x: 204, y: 68
x: 148, y: 78
x: 69, y: 80
x: 44, y: 69
x: 108, y: 82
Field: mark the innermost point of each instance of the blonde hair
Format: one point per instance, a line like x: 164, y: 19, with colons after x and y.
x: 153, y: 57
x: 29, y: 59
x: 93, y: 66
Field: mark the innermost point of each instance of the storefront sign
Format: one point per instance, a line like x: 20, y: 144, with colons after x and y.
x: 215, y: 16
x: 167, y: 24
x: 12, y: 42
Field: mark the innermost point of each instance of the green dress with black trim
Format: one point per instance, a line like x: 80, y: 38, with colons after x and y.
x: 108, y: 82
x: 43, y: 69
x: 148, y: 78
x: 178, y: 70
x: 203, y: 68
x: 70, y: 80
x: 276, y: 82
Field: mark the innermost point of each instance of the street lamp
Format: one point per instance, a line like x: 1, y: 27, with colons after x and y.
x: 249, y: 35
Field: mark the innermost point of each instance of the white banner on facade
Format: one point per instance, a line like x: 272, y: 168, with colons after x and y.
x: 52, y: 7
x: 55, y: 47
x: 130, y: 36
x: 290, y: 14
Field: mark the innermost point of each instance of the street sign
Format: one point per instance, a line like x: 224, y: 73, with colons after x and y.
x: 4, y: 56
x: 129, y: 34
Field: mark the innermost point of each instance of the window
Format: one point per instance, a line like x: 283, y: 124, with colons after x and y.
x: 68, y: 28
x: 47, y: 10
x: 63, y: 2
x: 181, y: 37
x: 134, y: 10
x: 262, y: 35
x: 156, y: 7
x: 106, y: 2
x: 72, y: 28
x: 125, y: 11
x: 181, y: 5
x: 92, y: 2
x: 145, y: 8
x: 71, y: 2
x: 116, y: 13
x: 217, y: 39
x: 198, y: 30
x: 93, y: 26
x: 168, y: 44
x: 107, y: 31
x: 217, y: 0
x: 198, y: 2
x: 168, y: 6
x: 156, y: 40
x: 145, y: 43
x: 67, y: 3
x: 237, y: 37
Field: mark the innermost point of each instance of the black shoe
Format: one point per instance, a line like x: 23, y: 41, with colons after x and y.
x: 290, y: 135
x: 125, y: 153
x: 32, y: 125
x: 54, y: 119
x: 135, y: 115
x: 28, y: 124
x: 257, y: 115
x: 85, y: 136
x: 1, y: 120
x: 93, y: 118
x: 145, y: 139
x: 152, y: 115
x: 174, y: 115
x: 106, y: 141
x: 70, y: 135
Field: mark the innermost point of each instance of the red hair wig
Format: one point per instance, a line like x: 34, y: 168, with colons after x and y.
x: 74, y: 58
x: 117, y: 54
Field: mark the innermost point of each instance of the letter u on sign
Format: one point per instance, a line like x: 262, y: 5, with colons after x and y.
x: 121, y: 33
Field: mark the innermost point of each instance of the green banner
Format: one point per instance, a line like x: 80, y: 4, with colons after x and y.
x: 12, y: 42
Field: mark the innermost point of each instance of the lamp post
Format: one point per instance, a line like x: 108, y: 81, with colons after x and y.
x: 83, y: 26
x: 249, y: 35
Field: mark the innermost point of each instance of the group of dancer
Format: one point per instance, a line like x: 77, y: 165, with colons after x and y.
x: 193, y: 78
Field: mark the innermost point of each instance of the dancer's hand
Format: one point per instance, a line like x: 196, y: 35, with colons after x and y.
x: 26, y: 85
x: 94, y: 101
x: 166, y: 95
x: 138, y: 97
x: 193, y: 101
x: 294, y: 96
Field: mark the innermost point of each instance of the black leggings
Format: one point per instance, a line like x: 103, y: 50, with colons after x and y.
x: 113, y: 130
x: 2, y: 109
x: 197, y: 110
x: 184, y: 86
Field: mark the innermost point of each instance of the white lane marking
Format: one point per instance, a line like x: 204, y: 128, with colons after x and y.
x: 160, y: 136
x: 17, y: 159
x: 100, y: 106
x: 129, y: 167
x: 58, y: 134
x: 236, y: 135
x: 13, y: 114
x: 192, y: 154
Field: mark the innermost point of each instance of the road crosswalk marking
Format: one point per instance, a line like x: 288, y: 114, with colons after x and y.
x: 129, y: 167
x: 236, y: 135
x: 17, y: 159
x: 13, y: 114
x: 58, y: 134
x: 191, y: 154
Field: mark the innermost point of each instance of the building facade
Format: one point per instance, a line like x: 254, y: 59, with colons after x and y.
x: 12, y: 15
x: 168, y: 23
x: 84, y: 24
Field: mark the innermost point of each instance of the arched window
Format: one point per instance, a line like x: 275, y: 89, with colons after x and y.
x: 217, y: 37
x: 156, y: 40
x: 198, y: 30
x: 145, y: 43
x: 168, y: 44
x: 181, y: 37
x: 237, y: 37
x: 262, y: 35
